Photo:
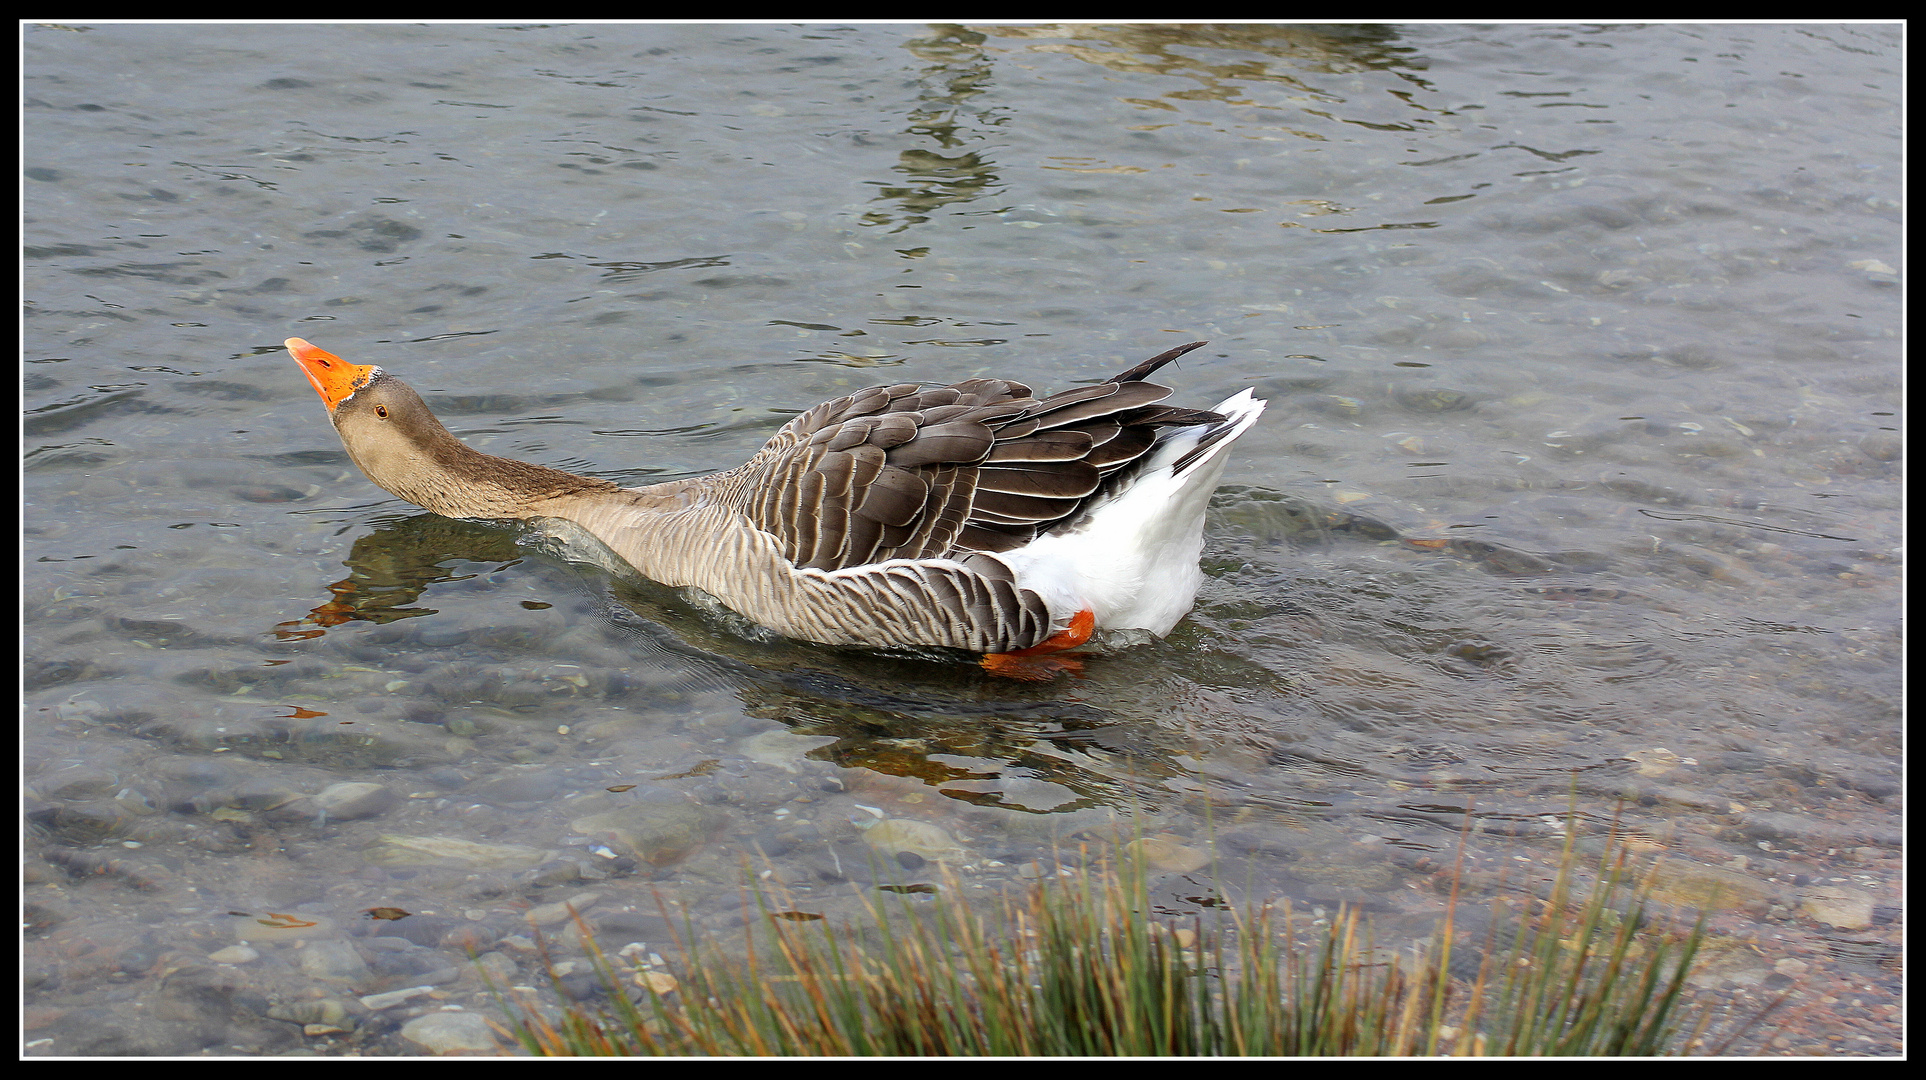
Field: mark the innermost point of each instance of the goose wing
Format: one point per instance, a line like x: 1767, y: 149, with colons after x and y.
x: 905, y: 472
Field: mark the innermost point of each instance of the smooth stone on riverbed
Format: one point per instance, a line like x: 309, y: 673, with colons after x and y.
x: 1166, y: 855
x: 333, y: 960
x: 397, y: 850
x: 658, y: 833
x: 452, y: 1033
x: 894, y: 837
x: 1883, y: 446
x: 330, y: 1011
x: 1835, y: 905
x: 558, y: 912
x: 352, y: 801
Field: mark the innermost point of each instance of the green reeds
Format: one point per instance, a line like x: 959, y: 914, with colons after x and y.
x: 1079, y: 969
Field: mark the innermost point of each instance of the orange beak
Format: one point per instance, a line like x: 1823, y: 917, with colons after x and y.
x: 334, y: 378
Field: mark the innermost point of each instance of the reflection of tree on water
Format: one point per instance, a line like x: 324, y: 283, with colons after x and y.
x: 1215, y: 55
x: 962, y: 69
x: 943, y: 116
x: 941, y: 181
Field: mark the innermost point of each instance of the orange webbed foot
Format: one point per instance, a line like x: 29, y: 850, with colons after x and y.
x: 1034, y: 664
x: 1031, y: 668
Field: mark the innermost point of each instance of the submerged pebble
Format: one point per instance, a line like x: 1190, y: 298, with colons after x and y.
x: 451, y: 1033
x: 1166, y: 855
x: 408, y: 851
x: 896, y: 837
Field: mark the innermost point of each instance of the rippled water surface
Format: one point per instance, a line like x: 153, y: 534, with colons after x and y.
x: 1579, y: 489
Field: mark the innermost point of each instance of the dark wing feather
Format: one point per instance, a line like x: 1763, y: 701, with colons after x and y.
x: 1044, y: 446
x: 905, y: 472
x: 1126, y: 446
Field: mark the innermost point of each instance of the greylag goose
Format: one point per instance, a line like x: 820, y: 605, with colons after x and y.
x: 972, y: 516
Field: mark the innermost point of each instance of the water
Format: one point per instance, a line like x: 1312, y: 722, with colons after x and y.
x: 1579, y: 488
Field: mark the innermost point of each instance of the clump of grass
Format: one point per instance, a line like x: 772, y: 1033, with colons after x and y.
x: 1082, y: 970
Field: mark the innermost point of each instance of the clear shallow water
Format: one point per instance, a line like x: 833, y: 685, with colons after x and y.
x: 1581, y: 472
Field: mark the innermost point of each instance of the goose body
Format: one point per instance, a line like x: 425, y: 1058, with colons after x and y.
x: 972, y: 516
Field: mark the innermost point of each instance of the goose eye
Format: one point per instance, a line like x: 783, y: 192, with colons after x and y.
x: 381, y: 411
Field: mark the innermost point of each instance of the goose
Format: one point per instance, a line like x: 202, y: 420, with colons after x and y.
x: 972, y: 516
